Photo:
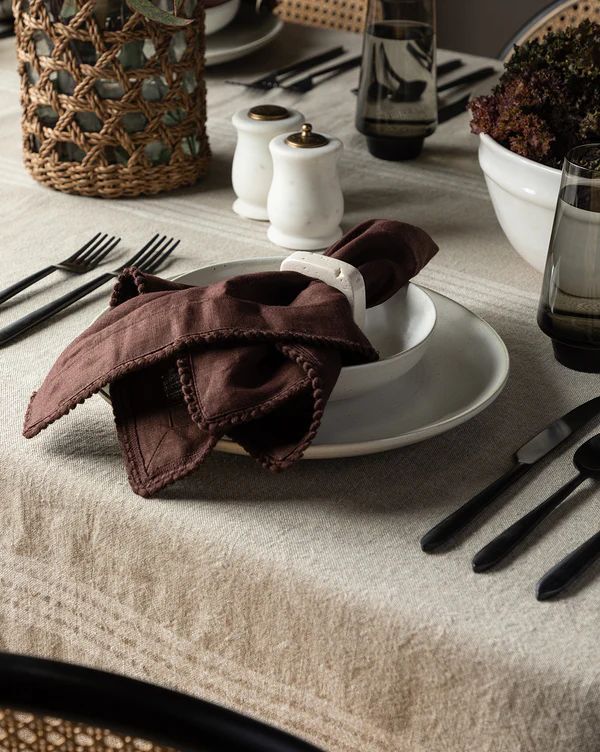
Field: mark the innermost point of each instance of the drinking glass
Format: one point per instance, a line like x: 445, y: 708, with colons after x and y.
x: 397, y: 98
x: 569, y: 309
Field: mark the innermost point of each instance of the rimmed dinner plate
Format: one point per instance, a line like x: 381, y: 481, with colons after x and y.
x: 247, y: 33
x: 462, y: 372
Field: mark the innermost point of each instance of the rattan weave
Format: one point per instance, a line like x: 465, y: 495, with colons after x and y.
x: 348, y: 15
x: 26, y: 732
x: 149, y: 137
x: 557, y: 17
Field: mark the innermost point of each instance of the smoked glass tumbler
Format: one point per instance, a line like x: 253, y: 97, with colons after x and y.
x: 397, y: 98
x: 569, y: 309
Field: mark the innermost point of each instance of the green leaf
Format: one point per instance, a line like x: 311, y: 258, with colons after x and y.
x: 149, y: 10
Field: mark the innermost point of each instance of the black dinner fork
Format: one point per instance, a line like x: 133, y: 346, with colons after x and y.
x: 275, y: 78
x: 148, y: 259
x: 85, y: 259
x: 324, y: 74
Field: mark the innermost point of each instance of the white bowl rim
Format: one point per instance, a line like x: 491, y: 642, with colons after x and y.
x: 346, y: 369
x: 518, y: 158
x: 403, y: 353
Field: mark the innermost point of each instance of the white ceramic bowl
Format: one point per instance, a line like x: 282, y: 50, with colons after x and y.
x: 399, y: 329
x: 524, y: 195
x: 217, y: 17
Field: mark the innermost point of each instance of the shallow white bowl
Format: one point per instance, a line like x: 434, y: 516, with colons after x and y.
x: 399, y: 329
x: 524, y: 195
x: 219, y: 16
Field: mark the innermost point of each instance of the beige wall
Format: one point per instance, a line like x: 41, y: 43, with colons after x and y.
x: 482, y: 27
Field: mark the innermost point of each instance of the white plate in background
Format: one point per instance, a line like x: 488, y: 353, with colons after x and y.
x: 241, y: 37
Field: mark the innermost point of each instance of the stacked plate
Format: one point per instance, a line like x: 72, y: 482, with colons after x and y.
x: 440, y: 365
x: 234, y: 31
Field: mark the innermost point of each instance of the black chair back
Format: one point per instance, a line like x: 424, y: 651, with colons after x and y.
x: 146, y: 711
x: 557, y: 15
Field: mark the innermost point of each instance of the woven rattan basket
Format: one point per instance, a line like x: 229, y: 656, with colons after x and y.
x: 110, y: 109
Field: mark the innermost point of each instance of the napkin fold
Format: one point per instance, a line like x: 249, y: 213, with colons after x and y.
x: 254, y: 357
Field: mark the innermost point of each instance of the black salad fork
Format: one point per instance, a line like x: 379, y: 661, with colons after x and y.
x: 148, y: 259
x: 88, y: 257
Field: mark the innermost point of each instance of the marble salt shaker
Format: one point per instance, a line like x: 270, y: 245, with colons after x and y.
x: 252, y: 169
x: 305, y: 202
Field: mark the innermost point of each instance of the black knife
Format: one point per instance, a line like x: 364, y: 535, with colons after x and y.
x: 441, y: 70
x: 452, y: 109
x: 309, y: 82
x: 468, y: 78
x: 273, y: 79
x: 536, y: 448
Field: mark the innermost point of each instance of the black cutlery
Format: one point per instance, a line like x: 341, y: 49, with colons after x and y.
x: 412, y: 90
x: 563, y: 574
x: 450, y: 65
x: 468, y: 78
x: 530, y: 453
x: 587, y: 461
x: 453, y: 109
x: 419, y: 55
x: 274, y: 79
x: 325, y: 74
x: 402, y: 90
x: 148, y: 259
x: 88, y: 257
x: 441, y: 70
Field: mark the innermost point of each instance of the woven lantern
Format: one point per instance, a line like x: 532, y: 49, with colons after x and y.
x: 113, y: 103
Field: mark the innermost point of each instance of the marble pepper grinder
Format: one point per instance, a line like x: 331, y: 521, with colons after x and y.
x: 252, y: 169
x: 305, y: 203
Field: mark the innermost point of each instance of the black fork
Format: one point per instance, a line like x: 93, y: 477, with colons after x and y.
x: 85, y: 259
x: 148, y: 259
x: 274, y: 79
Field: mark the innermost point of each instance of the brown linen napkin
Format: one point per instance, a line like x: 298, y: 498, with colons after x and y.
x: 255, y: 357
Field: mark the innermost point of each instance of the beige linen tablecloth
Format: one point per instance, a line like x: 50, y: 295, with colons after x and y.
x: 302, y: 599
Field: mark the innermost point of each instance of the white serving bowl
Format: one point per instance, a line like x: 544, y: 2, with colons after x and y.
x: 399, y: 329
x: 524, y: 194
x: 217, y: 17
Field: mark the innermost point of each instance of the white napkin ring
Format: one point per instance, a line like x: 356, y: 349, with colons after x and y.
x: 338, y: 274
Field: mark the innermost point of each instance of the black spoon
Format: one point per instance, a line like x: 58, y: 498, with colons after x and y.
x: 558, y: 579
x: 587, y: 461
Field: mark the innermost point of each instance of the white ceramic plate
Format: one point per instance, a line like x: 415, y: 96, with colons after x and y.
x: 241, y: 37
x: 462, y: 371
